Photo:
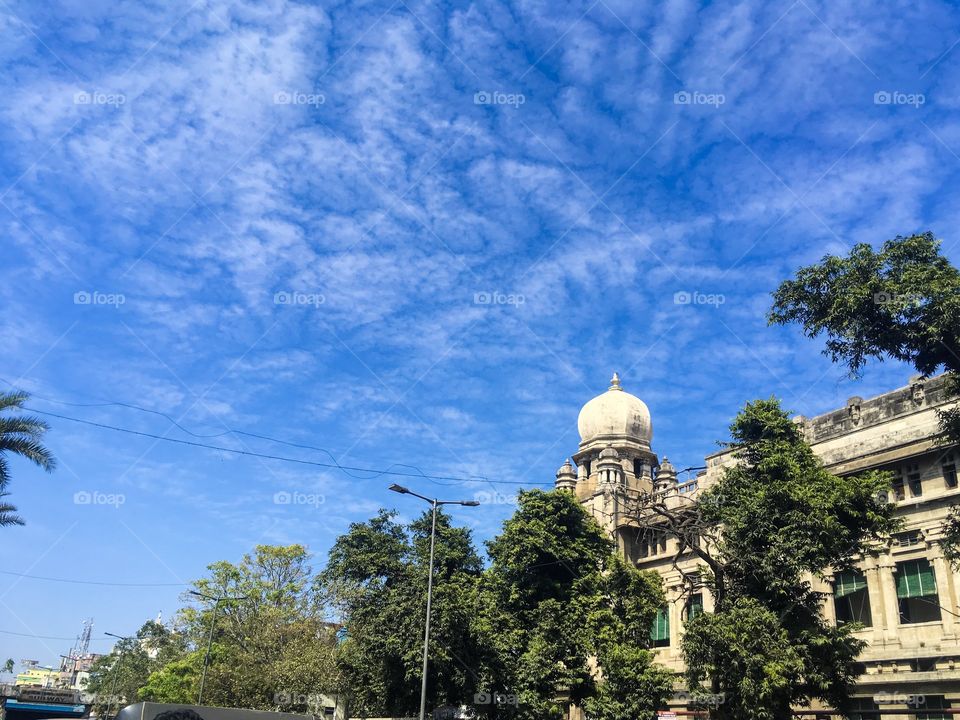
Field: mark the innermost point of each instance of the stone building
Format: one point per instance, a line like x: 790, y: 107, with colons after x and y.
x: 904, y: 592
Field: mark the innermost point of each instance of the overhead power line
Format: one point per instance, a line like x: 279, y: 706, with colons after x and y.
x: 40, y: 637
x: 90, y: 582
x: 373, y: 472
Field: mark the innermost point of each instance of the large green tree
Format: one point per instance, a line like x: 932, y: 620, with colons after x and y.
x: 565, y: 619
x: 784, y: 518
x: 376, y: 580
x: 20, y: 435
x: 271, y: 647
x: 901, y: 302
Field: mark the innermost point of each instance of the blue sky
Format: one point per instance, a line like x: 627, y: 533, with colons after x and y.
x: 422, y: 234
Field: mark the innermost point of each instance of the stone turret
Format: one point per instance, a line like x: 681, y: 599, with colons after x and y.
x: 566, y: 477
x: 667, y: 476
x: 609, y: 468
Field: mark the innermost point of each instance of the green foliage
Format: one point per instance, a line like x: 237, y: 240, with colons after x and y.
x: 902, y: 302
x: 376, y: 577
x: 271, y: 647
x: 176, y: 682
x: 20, y: 435
x: 632, y: 685
x: 115, y: 679
x: 783, y: 515
x: 7, y: 666
x: 950, y: 538
x: 560, y: 610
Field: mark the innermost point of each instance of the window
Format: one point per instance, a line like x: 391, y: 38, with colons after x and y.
x: 864, y: 708
x: 913, y: 480
x: 851, y: 601
x: 934, y: 703
x: 694, y: 606
x: 660, y: 632
x: 906, y: 539
x: 949, y: 471
x: 917, y: 592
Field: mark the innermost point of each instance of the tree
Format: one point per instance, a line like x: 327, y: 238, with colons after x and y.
x: 566, y: 620
x: 376, y: 580
x: 116, y: 678
x: 783, y: 517
x: 272, y: 648
x: 20, y: 435
x: 7, y: 667
x: 902, y: 302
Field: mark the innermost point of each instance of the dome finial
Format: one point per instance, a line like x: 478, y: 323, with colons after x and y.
x: 615, y: 382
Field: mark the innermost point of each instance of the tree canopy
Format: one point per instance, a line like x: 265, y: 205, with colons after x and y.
x: 901, y: 302
x: 784, y: 517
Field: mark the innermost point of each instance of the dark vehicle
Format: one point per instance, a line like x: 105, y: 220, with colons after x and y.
x: 164, y: 711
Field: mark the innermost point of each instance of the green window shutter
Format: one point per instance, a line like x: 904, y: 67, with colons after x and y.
x: 695, y: 606
x: 915, y: 578
x: 661, y: 626
x: 848, y: 582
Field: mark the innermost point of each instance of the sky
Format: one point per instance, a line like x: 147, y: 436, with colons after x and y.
x: 418, y: 236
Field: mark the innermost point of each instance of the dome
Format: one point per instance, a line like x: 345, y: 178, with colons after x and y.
x: 615, y: 415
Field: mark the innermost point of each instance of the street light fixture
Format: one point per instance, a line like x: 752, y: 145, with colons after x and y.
x: 433, y: 534
x: 116, y: 671
x: 216, y: 599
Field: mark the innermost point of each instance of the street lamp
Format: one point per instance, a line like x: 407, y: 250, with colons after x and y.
x: 433, y: 533
x: 217, y: 599
x: 116, y: 670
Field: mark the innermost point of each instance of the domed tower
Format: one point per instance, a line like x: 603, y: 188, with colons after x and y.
x: 620, y: 421
x: 614, y: 462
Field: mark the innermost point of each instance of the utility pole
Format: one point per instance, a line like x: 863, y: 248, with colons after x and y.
x: 433, y: 534
x: 216, y: 599
x: 116, y: 672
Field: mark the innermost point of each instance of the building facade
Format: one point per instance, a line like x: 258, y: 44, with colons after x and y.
x: 904, y: 592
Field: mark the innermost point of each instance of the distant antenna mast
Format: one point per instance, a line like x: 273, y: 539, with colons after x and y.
x: 83, y: 644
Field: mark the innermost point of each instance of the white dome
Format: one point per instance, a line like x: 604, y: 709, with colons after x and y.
x: 615, y: 415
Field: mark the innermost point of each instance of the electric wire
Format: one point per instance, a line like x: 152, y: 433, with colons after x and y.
x: 369, y: 473
x: 299, y: 461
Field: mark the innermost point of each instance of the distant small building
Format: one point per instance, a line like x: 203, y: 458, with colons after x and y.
x: 40, y: 676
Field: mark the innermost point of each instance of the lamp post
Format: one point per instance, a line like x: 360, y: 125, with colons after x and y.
x: 116, y: 670
x: 433, y: 534
x: 217, y: 599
